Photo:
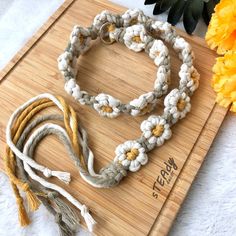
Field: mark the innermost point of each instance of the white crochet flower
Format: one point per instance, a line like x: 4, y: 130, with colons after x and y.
x: 135, y: 37
x: 73, y: 89
x: 163, y: 29
x: 189, y: 78
x: 177, y: 104
x: 144, y: 104
x: 180, y: 44
x: 80, y: 39
x: 162, y: 81
x: 106, y: 105
x: 104, y: 17
x: 156, y: 130
x: 131, y: 155
x: 64, y: 62
x: 159, y: 53
x: 133, y: 17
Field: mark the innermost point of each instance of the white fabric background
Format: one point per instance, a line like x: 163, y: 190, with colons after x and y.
x: 210, y: 207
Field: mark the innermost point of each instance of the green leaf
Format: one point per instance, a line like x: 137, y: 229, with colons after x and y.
x: 216, y: 1
x: 149, y: 2
x: 162, y: 6
x: 157, y: 7
x: 176, y: 12
x: 192, y: 13
x: 205, y: 15
x: 210, y: 6
x: 209, y: 10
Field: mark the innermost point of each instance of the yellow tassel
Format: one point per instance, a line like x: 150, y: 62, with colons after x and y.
x: 17, y: 129
x: 32, y: 199
x: 9, y: 161
x: 22, y: 214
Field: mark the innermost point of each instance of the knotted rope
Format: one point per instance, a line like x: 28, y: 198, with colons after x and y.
x: 15, y: 127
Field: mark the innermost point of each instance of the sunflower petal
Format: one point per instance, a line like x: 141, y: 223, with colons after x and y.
x: 224, y: 79
x: 221, y: 33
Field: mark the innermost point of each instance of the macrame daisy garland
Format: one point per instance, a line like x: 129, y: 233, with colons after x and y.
x: 137, y: 32
x: 23, y: 135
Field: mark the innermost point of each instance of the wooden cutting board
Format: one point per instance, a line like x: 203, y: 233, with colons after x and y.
x: 139, y: 205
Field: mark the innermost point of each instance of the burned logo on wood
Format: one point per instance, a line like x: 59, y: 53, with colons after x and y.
x: 165, y: 176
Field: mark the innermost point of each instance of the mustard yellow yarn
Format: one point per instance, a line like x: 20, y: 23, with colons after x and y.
x: 9, y: 159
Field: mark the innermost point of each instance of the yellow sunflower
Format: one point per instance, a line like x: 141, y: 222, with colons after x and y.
x: 224, y: 80
x: 221, y: 32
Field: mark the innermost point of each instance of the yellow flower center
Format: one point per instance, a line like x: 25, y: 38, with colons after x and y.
x: 155, y: 33
x: 134, y: 21
x: 194, y: 78
x: 146, y: 109
x: 111, y: 27
x: 181, y: 104
x: 81, y: 39
x: 158, y: 130
x: 107, y: 109
x: 132, y: 154
x: 136, y: 39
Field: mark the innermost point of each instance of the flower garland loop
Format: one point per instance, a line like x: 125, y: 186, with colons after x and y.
x: 135, y: 30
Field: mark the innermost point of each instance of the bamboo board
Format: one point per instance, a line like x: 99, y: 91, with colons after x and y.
x: 130, y: 208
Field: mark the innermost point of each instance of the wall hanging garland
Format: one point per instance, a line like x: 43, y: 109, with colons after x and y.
x: 138, y: 32
x: 129, y: 156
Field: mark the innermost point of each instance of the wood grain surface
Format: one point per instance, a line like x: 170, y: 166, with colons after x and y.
x: 132, y: 207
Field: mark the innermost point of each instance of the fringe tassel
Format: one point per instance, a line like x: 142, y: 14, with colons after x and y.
x: 69, y: 217
x: 88, y: 218
x: 63, y: 176
x: 32, y: 200
x: 65, y: 229
x: 22, y: 214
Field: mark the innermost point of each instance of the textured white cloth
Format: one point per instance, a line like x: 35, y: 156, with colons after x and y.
x: 19, y: 20
x: 210, y: 207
